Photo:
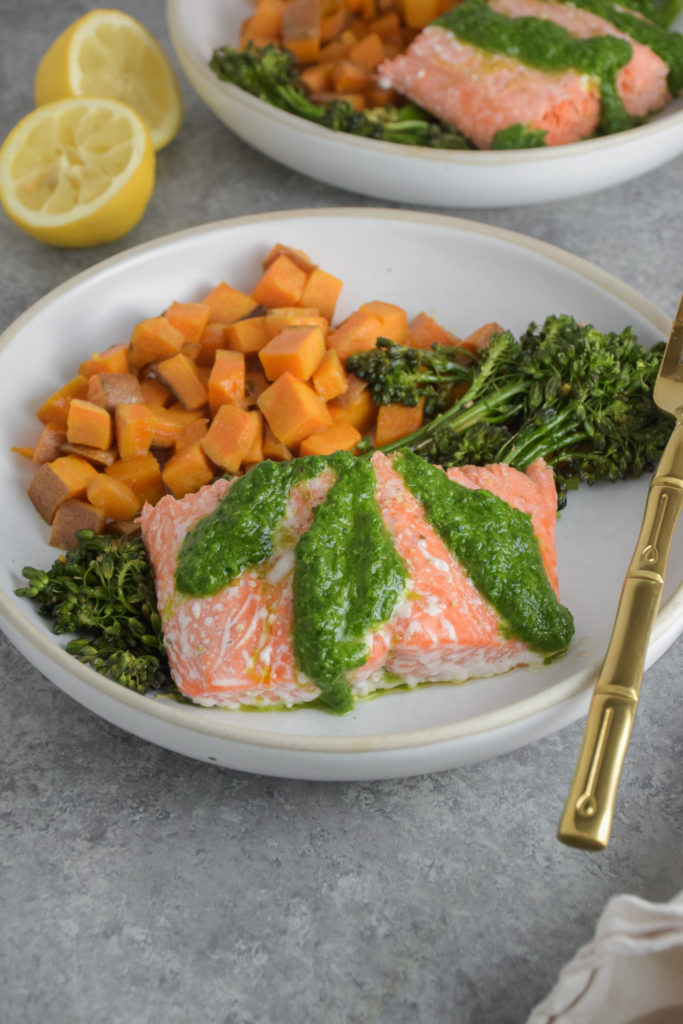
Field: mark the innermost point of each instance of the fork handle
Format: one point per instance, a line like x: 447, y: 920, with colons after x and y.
x: 587, y: 817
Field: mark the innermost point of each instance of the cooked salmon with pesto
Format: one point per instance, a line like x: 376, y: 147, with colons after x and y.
x: 327, y: 578
x: 512, y: 73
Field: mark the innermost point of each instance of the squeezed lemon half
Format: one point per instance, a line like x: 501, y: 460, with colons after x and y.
x: 77, y: 172
x: 108, y: 53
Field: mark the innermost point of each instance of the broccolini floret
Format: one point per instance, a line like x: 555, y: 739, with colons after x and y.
x: 103, y: 591
x: 566, y: 392
x: 396, y: 373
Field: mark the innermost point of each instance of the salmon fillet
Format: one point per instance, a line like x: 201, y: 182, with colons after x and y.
x: 642, y: 83
x: 235, y: 648
x: 482, y: 93
x: 445, y: 630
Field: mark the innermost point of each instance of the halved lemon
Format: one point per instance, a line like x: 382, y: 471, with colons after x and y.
x: 77, y: 172
x: 109, y: 53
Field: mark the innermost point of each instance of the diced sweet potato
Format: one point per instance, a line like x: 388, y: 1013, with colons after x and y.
x: 358, y: 333
x: 274, y: 449
x: 230, y: 437
x: 192, y: 432
x: 154, y: 339
x: 112, y: 389
x: 134, y: 423
x: 481, y: 338
x: 247, y: 336
x: 341, y: 436
x: 300, y: 30
x: 355, y: 405
x: 226, y: 382
x: 419, y: 13
x: 182, y: 376
x: 142, y: 474
x: 55, y: 482
x: 55, y: 408
x: 99, y: 457
x: 116, y: 499
x: 49, y: 444
x: 255, y: 453
x: 291, y: 316
x: 321, y: 292
x: 297, y: 256
x: 293, y: 410
x: 393, y: 320
x: 424, y: 331
x: 71, y: 516
x: 187, y: 470
x: 169, y: 425
x: 113, y: 360
x: 227, y: 304
x: 88, y: 424
x: 281, y: 284
x: 255, y: 383
x: 329, y: 377
x: 190, y: 318
x: 155, y: 392
x: 395, y: 421
x: 267, y: 18
x: 295, y: 350
x: 213, y: 338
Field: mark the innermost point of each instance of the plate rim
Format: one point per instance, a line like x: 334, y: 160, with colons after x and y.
x: 477, y: 157
x: 194, y: 718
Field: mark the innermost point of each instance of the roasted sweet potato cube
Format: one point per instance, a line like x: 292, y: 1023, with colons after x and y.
x: 49, y: 444
x: 295, y: 349
x: 71, y: 516
x: 55, y: 482
x: 293, y: 410
x: 55, y: 408
x: 230, y: 437
x: 227, y: 304
x: 187, y: 470
x: 281, y: 284
x: 184, y: 379
x: 189, y: 317
x: 89, y: 424
x: 112, y: 389
x: 154, y: 339
x: 226, y: 382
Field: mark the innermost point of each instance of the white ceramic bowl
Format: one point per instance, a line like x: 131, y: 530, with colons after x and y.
x: 463, y: 273
x: 409, y: 174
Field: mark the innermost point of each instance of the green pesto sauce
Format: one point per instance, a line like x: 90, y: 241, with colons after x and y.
x: 549, y: 47
x: 497, y: 548
x: 348, y: 579
x: 518, y: 136
x: 667, y: 45
x: 239, y: 533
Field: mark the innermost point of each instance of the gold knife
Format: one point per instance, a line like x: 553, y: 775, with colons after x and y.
x: 587, y: 817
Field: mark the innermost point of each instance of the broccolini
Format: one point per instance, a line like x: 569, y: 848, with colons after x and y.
x: 566, y: 392
x: 103, y: 591
x: 270, y: 74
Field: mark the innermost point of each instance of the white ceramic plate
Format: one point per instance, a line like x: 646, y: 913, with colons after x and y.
x: 464, y: 274
x: 409, y: 174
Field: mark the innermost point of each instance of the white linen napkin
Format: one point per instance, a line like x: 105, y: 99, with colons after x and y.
x: 631, y: 973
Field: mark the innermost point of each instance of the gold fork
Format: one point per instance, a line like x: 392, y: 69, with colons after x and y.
x: 587, y: 817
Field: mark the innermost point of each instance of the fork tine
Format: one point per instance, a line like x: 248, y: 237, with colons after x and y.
x: 671, y: 363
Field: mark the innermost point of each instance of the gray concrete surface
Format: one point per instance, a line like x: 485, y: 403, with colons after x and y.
x: 138, y: 886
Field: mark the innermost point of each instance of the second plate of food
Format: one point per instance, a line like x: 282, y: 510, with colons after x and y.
x: 406, y: 173
x: 459, y: 273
